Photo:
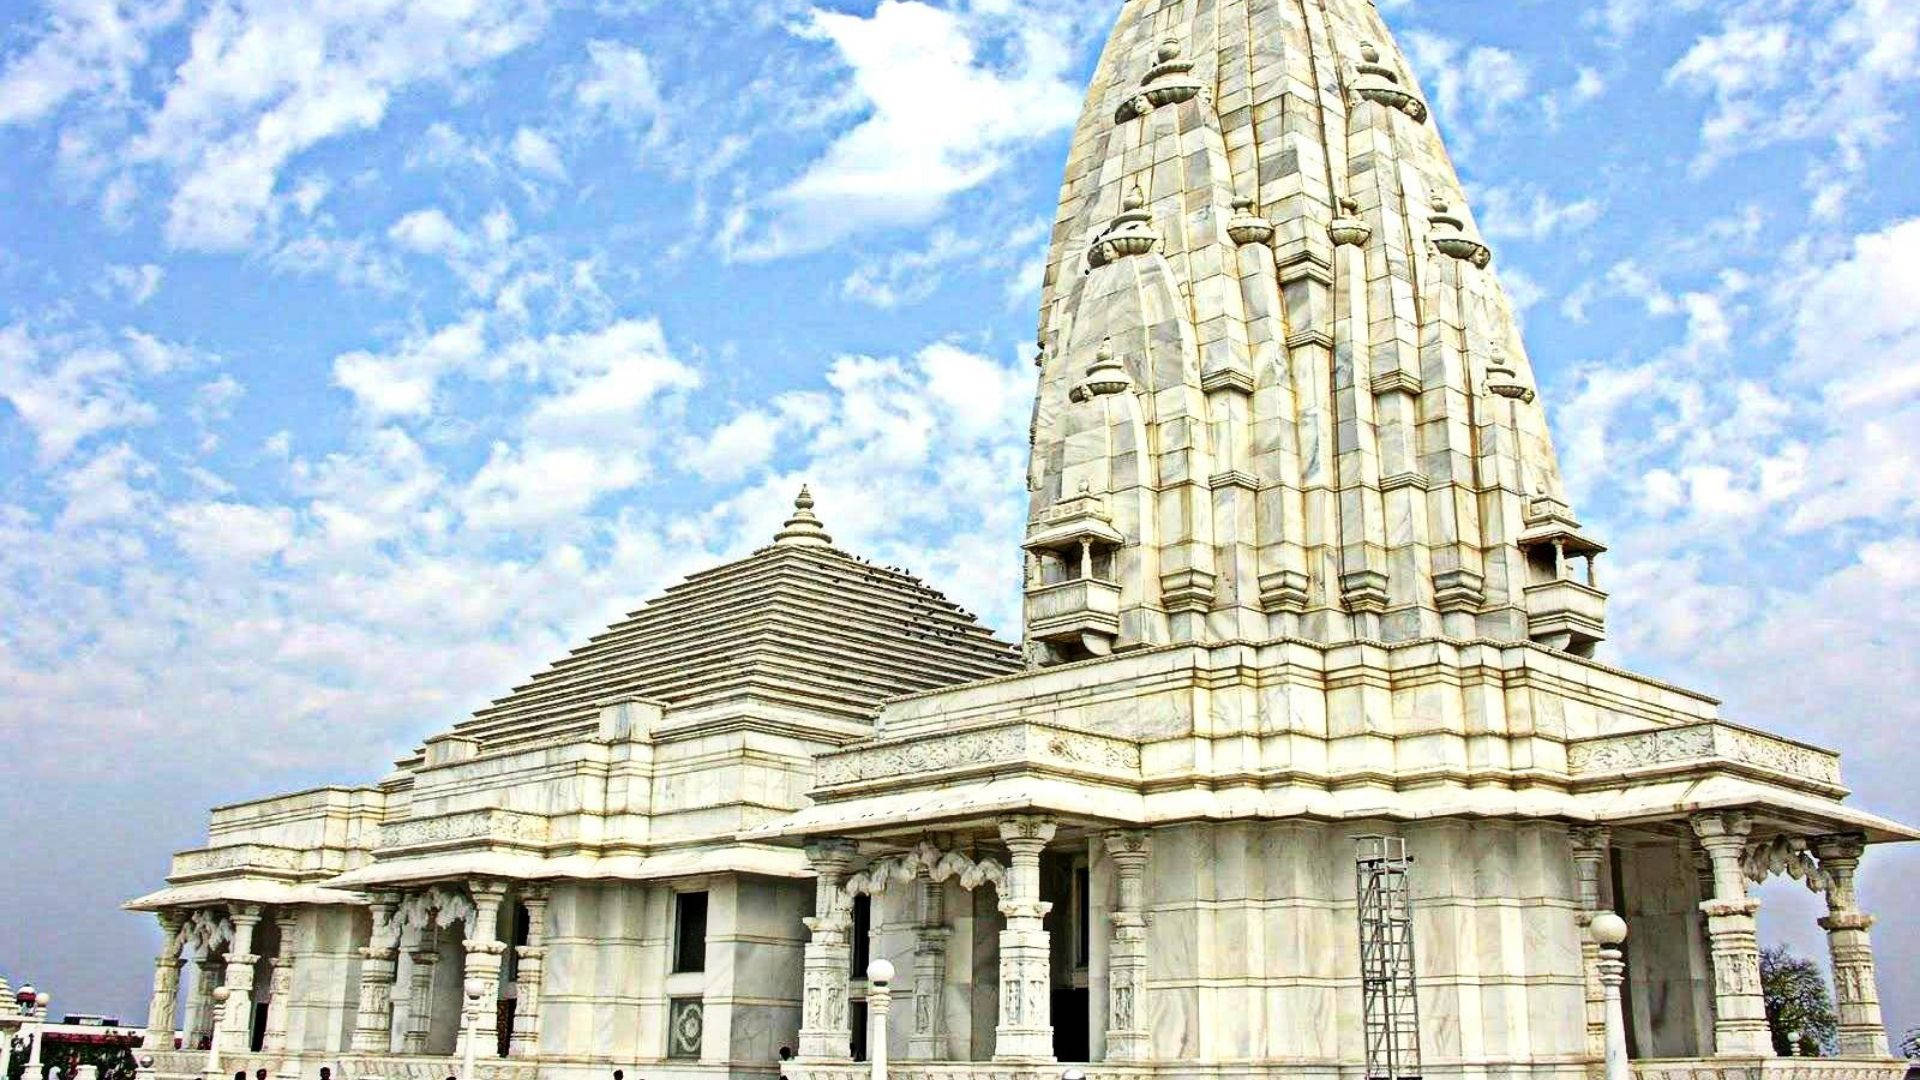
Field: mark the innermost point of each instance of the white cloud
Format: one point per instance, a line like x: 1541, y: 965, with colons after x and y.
x: 266, y: 80
x: 402, y: 382
x: 1472, y: 86
x: 136, y: 283
x: 937, y: 121
x: 735, y: 449
x: 85, y: 47
x: 620, y: 82
x: 535, y: 152
x: 1531, y: 213
x: 226, y: 533
x: 68, y: 387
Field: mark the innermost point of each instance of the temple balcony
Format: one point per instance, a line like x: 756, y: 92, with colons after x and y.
x: 1566, y: 615
x: 1080, y: 612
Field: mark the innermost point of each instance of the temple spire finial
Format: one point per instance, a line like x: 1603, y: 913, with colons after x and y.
x: 803, y: 529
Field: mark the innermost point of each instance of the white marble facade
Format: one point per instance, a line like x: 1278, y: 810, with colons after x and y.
x: 1299, y: 568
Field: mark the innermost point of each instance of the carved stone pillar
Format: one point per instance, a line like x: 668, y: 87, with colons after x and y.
x: 1740, y: 1015
x: 928, y: 1041
x: 420, y: 999
x: 287, y: 921
x: 166, y: 983
x: 1856, y: 994
x: 200, y: 1005
x: 1127, y: 1036
x: 824, y: 1034
x: 238, y: 1022
x: 484, y: 950
x: 1025, y: 1031
x: 373, y: 1020
x: 531, y: 968
x: 1590, y: 847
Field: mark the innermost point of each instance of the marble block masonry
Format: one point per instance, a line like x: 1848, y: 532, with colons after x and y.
x: 1299, y: 567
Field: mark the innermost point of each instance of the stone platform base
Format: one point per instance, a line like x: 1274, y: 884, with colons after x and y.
x: 1770, y: 1068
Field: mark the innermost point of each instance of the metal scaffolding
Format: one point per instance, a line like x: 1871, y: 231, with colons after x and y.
x: 1389, y: 1007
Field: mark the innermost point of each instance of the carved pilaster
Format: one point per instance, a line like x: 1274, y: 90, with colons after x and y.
x: 1025, y: 1031
x: 166, y: 982
x: 280, y: 990
x: 1590, y: 848
x: 531, y: 968
x: 200, y: 1005
x: 1856, y: 994
x: 929, y: 1039
x: 824, y: 1035
x: 1740, y: 1015
x: 238, y: 1021
x: 484, y: 950
x: 1127, y: 1036
x: 373, y: 1018
x: 420, y: 1000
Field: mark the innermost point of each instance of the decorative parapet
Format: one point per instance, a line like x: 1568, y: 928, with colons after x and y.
x: 1017, y: 744
x: 1775, y: 1068
x: 464, y: 828
x: 228, y: 859
x: 1610, y: 759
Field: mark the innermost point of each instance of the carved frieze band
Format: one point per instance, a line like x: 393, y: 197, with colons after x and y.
x: 1009, y: 744
x: 484, y: 826
x: 1704, y: 744
x: 235, y: 857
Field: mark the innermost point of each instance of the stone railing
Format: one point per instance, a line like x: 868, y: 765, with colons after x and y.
x: 465, y: 828
x: 255, y: 858
x: 1771, y: 1068
x: 983, y: 1070
x: 1693, y: 747
x: 998, y: 746
x: 430, y: 1067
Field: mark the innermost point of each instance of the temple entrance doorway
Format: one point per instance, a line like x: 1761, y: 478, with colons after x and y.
x: 1064, y: 883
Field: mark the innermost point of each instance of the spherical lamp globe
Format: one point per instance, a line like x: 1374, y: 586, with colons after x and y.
x: 880, y: 972
x: 221, y: 994
x: 1608, y: 928
x: 475, y: 988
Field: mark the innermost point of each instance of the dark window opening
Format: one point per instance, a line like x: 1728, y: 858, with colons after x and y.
x: 1082, y: 917
x: 862, y: 935
x: 857, y: 1016
x: 690, y: 931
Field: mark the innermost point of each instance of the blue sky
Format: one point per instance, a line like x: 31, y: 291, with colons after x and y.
x: 355, y: 361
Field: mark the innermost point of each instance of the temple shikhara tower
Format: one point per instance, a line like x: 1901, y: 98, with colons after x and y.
x: 1305, y: 767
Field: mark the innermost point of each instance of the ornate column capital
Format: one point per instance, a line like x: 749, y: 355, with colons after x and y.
x: 1719, y: 829
x: 1026, y: 832
x: 1127, y: 847
x: 831, y: 856
x: 1591, y: 840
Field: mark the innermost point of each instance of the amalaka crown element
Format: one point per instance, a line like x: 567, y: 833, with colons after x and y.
x: 803, y: 529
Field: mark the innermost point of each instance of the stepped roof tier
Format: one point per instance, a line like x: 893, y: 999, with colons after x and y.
x: 798, y: 621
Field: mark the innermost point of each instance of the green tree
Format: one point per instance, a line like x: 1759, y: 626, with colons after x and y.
x: 1797, y: 1002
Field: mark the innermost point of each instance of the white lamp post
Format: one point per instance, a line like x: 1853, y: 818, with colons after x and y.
x: 1609, y: 930
x: 39, y: 1030
x: 879, y: 1001
x: 475, y: 989
x: 220, y: 996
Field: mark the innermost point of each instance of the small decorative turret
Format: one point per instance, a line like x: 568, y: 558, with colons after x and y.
x: 1350, y: 229
x: 1451, y: 238
x: 1504, y: 381
x: 1106, y: 375
x: 1377, y: 82
x: 1130, y: 233
x: 1169, y: 82
x: 803, y: 529
x: 1247, y: 226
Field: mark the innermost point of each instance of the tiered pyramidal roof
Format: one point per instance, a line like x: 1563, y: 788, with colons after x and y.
x: 798, y: 623
x: 1282, y: 392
